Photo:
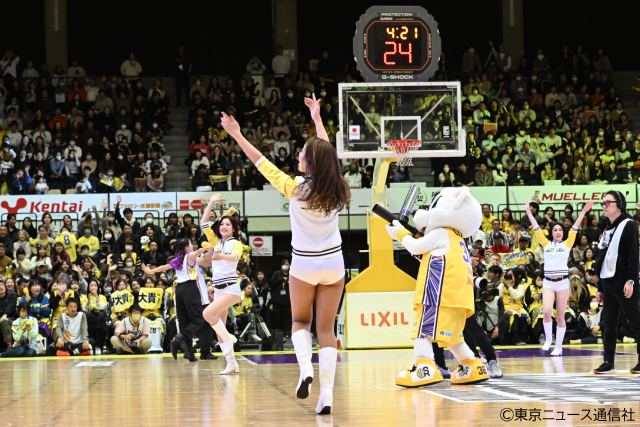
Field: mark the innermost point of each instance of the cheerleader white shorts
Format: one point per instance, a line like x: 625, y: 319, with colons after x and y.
x: 318, y: 271
x: 233, y: 289
x: 556, y: 286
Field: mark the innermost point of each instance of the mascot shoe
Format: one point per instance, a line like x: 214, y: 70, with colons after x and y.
x: 423, y: 373
x: 470, y: 371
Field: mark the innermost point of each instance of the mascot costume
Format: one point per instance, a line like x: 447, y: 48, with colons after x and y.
x: 444, y: 295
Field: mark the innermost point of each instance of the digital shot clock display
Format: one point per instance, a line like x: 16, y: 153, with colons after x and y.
x: 397, y: 43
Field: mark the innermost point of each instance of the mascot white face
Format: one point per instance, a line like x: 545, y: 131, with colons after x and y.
x: 453, y: 208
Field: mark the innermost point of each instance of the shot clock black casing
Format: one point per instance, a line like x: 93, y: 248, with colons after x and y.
x: 396, y: 43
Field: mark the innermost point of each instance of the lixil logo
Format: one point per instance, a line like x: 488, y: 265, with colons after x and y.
x: 384, y: 319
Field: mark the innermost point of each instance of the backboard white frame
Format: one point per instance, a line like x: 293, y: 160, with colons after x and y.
x: 417, y: 119
x: 462, y: 140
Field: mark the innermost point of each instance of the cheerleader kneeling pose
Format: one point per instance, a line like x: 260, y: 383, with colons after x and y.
x: 227, y: 251
x: 555, y: 285
x: 317, y: 266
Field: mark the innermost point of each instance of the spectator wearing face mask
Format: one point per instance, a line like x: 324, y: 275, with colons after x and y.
x: 148, y: 222
x: 60, y: 292
x: 132, y: 334
x: 87, y: 219
x: 102, y: 257
x: 90, y: 240
x: 109, y: 222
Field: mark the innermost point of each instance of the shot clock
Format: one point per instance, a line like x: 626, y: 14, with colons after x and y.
x: 396, y: 43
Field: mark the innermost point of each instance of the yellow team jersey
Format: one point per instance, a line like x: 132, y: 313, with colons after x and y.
x: 592, y: 290
x: 486, y: 223
x: 91, y: 241
x: 93, y: 303
x: 448, y: 278
x: 239, y: 308
x: 133, y: 255
x: 46, y: 243
x: 70, y: 244
x: 511, y: 303
x: 506, y: 227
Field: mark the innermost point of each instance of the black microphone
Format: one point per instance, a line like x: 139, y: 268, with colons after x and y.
x: 389, y: 217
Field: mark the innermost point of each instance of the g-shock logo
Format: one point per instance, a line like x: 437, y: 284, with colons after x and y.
x: 397, y: 77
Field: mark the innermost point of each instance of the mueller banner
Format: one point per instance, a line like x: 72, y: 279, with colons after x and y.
x: 560, y: 195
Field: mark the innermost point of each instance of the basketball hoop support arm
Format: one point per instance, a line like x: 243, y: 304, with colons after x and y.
x: 365, y: 117
x: 425, y: 116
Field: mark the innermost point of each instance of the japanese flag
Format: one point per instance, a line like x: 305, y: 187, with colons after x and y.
x: 354, y: 132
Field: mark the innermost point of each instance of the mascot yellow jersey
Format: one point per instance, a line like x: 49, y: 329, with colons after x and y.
x: 452, y: 267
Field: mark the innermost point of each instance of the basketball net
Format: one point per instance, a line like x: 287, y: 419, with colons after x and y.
x: 405, y: 150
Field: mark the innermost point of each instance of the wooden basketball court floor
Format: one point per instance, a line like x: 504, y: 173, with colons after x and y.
x: 155, y: 390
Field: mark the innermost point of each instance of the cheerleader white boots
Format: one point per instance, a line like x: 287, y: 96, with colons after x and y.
x: 232, y: 364
x: 302, y: 344
x: 557, y: 351
x: 548, y: 338
x: 328, y: 357
x: 222, y: 333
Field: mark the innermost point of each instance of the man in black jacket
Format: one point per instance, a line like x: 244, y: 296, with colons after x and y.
x: 8, y: 312
x: 618, y: 287
x: 181, y: 70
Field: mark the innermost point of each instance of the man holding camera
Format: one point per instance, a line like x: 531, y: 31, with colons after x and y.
x: 490, y: 307
x: 71, y: 334
x: 244, y: 312
x: 132, y: 334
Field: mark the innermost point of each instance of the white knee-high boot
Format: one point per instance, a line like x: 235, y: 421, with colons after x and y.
x: 232, y: 364
x: 328, y: 358
x: 302, y: 343
x: 229, y: 340
x: 557, y: 351
x: 548, y: 338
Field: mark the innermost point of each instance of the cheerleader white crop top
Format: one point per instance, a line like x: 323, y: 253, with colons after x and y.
x: 223, y: 271
x: 314, y: 235
x: 556, y: 255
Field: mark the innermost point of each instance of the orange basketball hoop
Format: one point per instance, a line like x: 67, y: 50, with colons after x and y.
x: 404, y: 149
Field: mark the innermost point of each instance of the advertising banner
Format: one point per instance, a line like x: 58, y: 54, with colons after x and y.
x: 558, y: 196
x: 261, y: 245
x: 194, y: 201
x: 379, y: 319
x: 56, y: 204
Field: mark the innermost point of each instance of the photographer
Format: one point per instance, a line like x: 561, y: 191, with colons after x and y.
x: 512, y: 290
x: 244, y: 312
x: 25, y: 332
x: 132, y: 334
x: 490, y: 308
x: 71, y: 336
x: 281, y: 297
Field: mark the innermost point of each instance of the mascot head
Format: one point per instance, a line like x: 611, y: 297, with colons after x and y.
x: 453, y: 208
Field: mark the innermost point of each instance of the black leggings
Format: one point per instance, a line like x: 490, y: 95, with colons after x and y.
x: 519, y: 329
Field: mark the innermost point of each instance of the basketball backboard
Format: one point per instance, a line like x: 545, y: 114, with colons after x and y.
x: 371, y: 114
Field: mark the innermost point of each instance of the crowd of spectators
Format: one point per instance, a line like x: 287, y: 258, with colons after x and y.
x: 80, y: 133
x: 511, y: 257
x: 91, y: 272
x: 551, y: 119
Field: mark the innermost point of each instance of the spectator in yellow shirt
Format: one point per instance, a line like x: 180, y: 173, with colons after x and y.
x: 69, y: 242
x: 90, y: 240
x: 523, y: 242
x: 487, y: 218
x: 43, y: 240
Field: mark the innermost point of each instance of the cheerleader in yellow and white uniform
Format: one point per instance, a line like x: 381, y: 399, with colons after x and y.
x: 555, y: 285
x: 317, y: 267
x: 227, y: 252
